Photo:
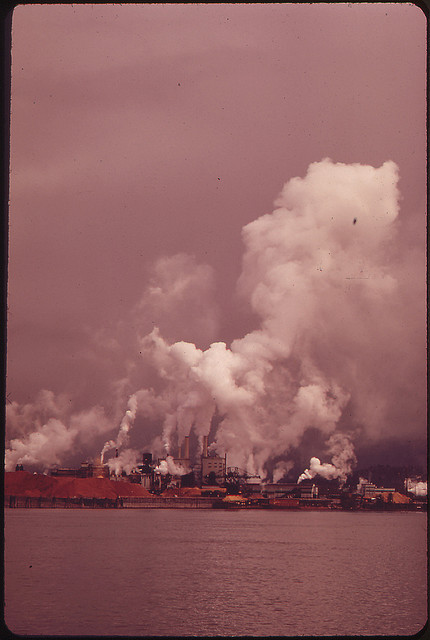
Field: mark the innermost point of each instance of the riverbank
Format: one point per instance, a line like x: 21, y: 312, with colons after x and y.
x: 24, y: 490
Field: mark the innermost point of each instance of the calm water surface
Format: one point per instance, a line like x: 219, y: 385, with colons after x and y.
x: 204, y: 573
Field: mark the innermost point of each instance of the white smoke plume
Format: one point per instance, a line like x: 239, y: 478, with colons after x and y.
x: 179, y: 300
x: 316, y: 262
x: 343, y: 454
x: 45, y: 447
x: 125, y: 426
x: 126, y: 461
x: 342, y: 460
x: 56, y: 431
x: 168, y: 465
x: 281, y: 469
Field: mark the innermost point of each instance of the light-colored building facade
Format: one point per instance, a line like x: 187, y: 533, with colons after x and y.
x: 213, y: 467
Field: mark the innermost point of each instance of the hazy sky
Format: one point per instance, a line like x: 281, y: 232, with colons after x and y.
x: 143, y: 139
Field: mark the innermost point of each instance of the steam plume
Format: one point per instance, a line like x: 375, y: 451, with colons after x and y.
x: 126, y: 461
x: 281, y: 469
x: 56, y: 432
x: 126, y: 424
x: 342, y: 461
x: 316, y: 260
x: 168, y: 465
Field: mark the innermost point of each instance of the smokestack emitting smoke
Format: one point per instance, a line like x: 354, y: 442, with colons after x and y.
x: 187, y: 447
x: 205, y: 447
x: 170, y: 466
x: 126, y: 424
x: 124, y: 461
x: 315, y: 273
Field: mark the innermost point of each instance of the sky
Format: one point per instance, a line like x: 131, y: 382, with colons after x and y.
x: 217, y: 226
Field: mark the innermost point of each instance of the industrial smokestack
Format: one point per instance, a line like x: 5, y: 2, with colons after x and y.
x: 116, y: 453
x: 205, y: 446
x: 147, y: 458
x: 187, y: 447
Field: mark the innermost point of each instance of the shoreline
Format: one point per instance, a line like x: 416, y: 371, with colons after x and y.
x: 159, y: 502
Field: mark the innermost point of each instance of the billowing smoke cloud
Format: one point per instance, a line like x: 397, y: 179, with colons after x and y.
x: 341, y: 463
x: 311, y: 266
x: 126, y: 461
x: 56, y: 431
x: 281, y: 469
x: 318, y: 273
x: 179, y: 300
x: 168, y: 465
x: 45, y: 446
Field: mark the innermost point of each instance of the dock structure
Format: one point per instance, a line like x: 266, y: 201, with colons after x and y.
x: 131, y: 502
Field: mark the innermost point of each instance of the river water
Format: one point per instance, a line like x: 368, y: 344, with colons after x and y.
x: 205, y: 573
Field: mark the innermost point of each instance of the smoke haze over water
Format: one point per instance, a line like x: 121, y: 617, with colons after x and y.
x: 336, y: 346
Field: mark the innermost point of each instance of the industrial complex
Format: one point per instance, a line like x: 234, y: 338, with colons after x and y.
x: 180, y: 482
x: 158, y: 475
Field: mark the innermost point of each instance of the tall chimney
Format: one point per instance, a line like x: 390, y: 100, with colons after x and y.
x: 187, y: 447
x: 147, y: 457
x: 205, y: 446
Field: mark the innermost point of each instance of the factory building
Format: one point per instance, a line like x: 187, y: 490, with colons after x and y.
x: 146, y: 471
x: 308, y: 491
x: 183, y: 459
x: 370, y: 490
x: 157, y: 475
x: 143, y: 474
x: 254, y: 488
x: 212, y: 467
x: 87, y: 469
x: 64, y: 472
x: 278, y: 489
x: 99, y: 470
x: 178, y: 474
